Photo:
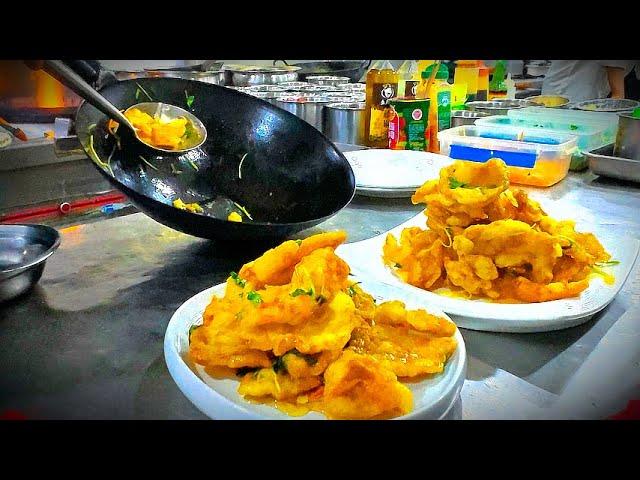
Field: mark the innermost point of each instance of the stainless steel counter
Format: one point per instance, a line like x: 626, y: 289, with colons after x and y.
x: 87, y: 342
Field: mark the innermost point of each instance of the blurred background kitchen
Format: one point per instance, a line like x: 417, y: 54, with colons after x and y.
x: 44, y: 173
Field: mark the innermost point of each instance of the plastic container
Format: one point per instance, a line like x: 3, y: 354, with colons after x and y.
x: 594, y: 129
x: 534, y: 158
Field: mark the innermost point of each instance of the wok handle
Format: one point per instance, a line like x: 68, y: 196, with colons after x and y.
x: 63, y: 73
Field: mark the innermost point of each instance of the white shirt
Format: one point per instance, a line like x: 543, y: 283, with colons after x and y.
x: 581, y: 79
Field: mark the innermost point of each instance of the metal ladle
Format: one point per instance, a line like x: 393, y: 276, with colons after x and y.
x: 75, y: 82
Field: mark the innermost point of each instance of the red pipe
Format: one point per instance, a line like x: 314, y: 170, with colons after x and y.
x: 64, y: 208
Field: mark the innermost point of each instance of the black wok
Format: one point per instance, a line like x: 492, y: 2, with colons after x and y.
x: 292, y: 177
x: 339, y: 68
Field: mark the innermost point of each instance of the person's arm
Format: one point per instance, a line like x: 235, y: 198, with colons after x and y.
x: 616, y: 75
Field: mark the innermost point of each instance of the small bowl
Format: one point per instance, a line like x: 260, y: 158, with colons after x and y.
x: 465, y: 117
x: 550, y: 101
x: 24, y: 249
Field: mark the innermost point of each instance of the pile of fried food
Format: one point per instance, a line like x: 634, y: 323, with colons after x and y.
x: 303, y: 336
x: 486, y: 240
x: 167, y: 134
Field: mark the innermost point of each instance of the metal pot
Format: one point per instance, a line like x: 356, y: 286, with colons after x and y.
x: 354, y: 69
x: 628, y: 138
x: 344, y: 122
x: 247, y: 75
x: 309, y: 109
x: 498, y: 107
x: 465, y: 117
x: 327, y: 80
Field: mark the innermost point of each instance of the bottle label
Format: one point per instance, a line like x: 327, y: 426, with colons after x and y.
x: 444, y: 110
x: 411, y: 88
x: 383, y: 92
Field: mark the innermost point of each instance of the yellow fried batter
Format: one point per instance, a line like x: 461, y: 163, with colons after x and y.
x: 291, y: 322
x: 407, y: 342
x: 358, y: 387
x: 492, y: 241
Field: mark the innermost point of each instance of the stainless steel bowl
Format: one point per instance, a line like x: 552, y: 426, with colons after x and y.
x: 327, y: 80
x: 628, y: 137
x: 24, y: 249
x: 498, y: 107
x: 344, y: 122
x: 245, y: 76
x: 465, y: 117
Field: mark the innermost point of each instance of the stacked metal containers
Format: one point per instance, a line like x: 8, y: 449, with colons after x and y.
x: 331, y: 104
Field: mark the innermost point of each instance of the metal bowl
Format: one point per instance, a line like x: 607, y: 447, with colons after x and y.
x: 216, y: 77
x: 607, y: 105
x: 498, y: 107
x: 465, y: 117
x: 549, y: 101
x: 24, y: 249
x: 246, y: 75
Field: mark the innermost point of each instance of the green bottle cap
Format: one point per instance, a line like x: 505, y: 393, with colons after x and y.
x: 443, y: 72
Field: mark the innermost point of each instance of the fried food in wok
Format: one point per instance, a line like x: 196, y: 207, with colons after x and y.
x: 487, y: 240
x: 302, y: 335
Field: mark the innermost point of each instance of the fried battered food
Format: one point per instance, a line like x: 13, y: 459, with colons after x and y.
x: 292, y: 321
x: 491, y: 241
x: 358, y: 387
x: 407, y: 342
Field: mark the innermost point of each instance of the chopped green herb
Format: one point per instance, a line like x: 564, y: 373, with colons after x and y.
x: 143, y: 91
x: 147, y: 162
x: 174, y: 170
x: 299, y: 291
x: 573, y: 127
x: 454, y: 183
x: 608, y: 264
x: 278, y: 364
x: 193, y: 165
x: 137, y: 93
x: 351, y: 291
x: 254, y: 297
x: 241, y: 372
x: 189, y: 131
x: 190, y: 99
x: 236, y: 278
x: 191, y: 329
x: 299, y: 242
x: 244, y: 210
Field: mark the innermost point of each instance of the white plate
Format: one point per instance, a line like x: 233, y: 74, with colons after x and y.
x: 220, y: 400
x: 366, y: 256
x: 394, y: 170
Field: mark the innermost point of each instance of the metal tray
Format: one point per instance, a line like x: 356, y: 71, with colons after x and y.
x: 602, y: 162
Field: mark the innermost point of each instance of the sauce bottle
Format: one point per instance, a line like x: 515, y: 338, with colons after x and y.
x: 382, y: 86
x: 408, y: 79
x: 440, y: 103
x: 467, y: 71
x: 482, y: 94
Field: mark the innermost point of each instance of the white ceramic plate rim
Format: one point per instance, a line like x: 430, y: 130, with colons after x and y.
x: 218, y: 406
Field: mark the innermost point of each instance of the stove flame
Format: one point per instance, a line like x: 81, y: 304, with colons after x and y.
x: 49, y: 92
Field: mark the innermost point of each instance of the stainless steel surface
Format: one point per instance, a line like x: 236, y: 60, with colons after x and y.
x: 327, y: 80
x: 628, y: 137
x: 603, y: 162
x: 465, y: 117
x: 107, y: 305
x: 244, y: 76
x: 24, y: 250
x: 497, y: 107
x: 344, y: 122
